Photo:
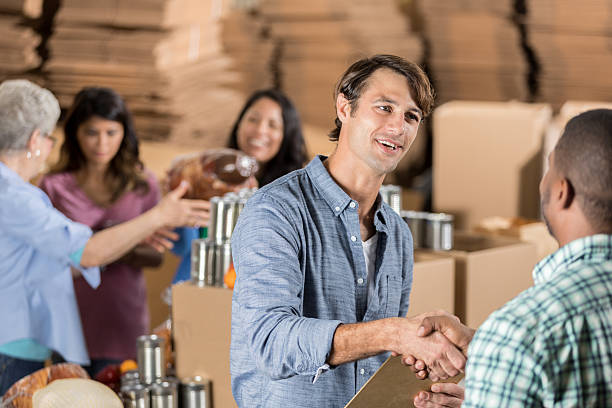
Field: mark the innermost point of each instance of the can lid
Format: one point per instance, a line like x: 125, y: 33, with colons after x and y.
x: 195, y: 383
x: 163, y: 388
x: 150, y: 340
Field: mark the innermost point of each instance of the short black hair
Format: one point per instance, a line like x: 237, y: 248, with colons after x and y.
x: 355, y: 79
x: 584, y: 156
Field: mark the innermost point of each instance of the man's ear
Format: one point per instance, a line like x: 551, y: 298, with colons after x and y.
x: 343, y: 107
x: 567, y: 194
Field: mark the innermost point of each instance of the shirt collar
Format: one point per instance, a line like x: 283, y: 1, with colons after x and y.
x: 335, y: 197
x: 8, y: 173
x: 580, y: 250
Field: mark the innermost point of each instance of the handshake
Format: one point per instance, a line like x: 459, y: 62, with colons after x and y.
x: 433, y: 344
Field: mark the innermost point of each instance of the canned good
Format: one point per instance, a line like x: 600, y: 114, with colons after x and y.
x: 439, y: 232
x: 130, y: 377
x: 230, y: 216
x: 223, y: 259
x: 196, y: 393
x: 430, y: 230
x: 164, y: 394
x: 135, y: 396
x: 203, y: 262
x: 215, y: 228
x: 392, y: 195
x: 151, y: 359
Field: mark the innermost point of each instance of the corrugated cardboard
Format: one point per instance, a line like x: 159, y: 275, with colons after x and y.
x: 433, y: 284
x: 487, y: 159
x: 201, y: 324
x: 525, y: 230
x: 489, y: 271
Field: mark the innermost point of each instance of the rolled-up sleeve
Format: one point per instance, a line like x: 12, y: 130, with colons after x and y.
x: 269, y: 293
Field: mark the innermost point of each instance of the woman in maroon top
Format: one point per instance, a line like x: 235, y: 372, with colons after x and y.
x: 100, y: 181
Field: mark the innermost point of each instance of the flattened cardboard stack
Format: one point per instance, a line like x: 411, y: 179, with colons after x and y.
x: 164, y: 57
x: 573, y: 43
x: 18, y: 40
x: 319, y: 39
x: 246, y: 40
x: 475, y: 50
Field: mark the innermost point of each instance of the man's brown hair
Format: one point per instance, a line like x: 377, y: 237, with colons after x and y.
x: 355, y: 79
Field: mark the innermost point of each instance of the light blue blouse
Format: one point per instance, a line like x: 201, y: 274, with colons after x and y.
x: 36, y: 294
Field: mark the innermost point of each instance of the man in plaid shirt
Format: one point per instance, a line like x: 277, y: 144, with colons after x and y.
x: 551, y: 346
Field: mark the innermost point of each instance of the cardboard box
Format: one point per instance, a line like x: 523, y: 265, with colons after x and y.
x: 525, y: 230
x: 433, y: 284
x: 489, y: 271
x: 486, y: 159
x: 201, y: 319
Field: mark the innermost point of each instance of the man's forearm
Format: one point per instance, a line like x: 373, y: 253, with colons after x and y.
x: 356, y: 341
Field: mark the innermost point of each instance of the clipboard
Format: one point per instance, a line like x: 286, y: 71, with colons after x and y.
x: 393, y: 385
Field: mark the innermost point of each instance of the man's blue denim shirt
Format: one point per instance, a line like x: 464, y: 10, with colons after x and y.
x: 300, y: 273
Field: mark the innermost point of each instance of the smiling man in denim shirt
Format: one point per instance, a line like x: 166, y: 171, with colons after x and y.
x: 324, y: 268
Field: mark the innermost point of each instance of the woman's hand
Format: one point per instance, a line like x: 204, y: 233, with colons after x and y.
x: 176, y: 212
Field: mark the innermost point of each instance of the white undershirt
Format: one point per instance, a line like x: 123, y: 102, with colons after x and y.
x: 369, y: 252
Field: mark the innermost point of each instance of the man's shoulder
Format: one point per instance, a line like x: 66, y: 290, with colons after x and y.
x: 285, y: 190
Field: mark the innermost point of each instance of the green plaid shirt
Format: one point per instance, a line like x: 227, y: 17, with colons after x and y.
x: 551, y: 346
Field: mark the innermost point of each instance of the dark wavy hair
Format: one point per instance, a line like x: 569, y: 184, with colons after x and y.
x: 355, y: 79
x: 292, y: 153
x: 125, y: 171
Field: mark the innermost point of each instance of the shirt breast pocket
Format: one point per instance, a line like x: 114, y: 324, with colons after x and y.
x: 393, y: 295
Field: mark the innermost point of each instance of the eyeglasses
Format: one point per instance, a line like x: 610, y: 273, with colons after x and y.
x: 52, y: 138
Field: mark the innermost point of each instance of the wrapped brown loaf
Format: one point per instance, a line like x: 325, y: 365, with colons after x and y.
x: 214, y: 173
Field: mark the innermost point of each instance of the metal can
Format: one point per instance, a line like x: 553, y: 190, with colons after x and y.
x: 196, y: 393
x: 223, y: 259
x: 135, y: 395
x: 392, y: 195
x: 230, y: 216
x: 151, y: 359
x: 215, y: 228
x: 164, y: 394
x: 130, y: 377
x: 416, y: 223
x: 203, y: 262
x: 439, y: 231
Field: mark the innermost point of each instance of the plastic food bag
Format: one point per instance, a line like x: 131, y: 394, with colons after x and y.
x: 213, y: 173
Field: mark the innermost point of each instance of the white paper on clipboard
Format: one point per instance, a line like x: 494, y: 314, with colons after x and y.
x: 393, y: 385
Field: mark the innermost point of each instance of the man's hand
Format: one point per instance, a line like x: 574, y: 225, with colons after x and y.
x: 442, y: 358
x: 441, y: 395
x: 450, y: 327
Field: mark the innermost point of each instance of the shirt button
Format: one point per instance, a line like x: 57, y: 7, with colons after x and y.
x: 352, y: 204
x: 362, y: 371
x: 360, y: 281
x: 353, y: 238
x: 337, y: 208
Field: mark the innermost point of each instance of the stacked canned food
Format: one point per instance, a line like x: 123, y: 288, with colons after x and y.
x: 211, y: 257
x: 430, y: 230
x: 148, y: 387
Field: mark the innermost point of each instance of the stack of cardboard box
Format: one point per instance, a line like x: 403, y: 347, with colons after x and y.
x: 572, y: 44
x: 246, y: 40
x: 316, y: 41
x: 475, y: 50
x: 18, y: 39
x: 163, y: 57
x: 487, y: 159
